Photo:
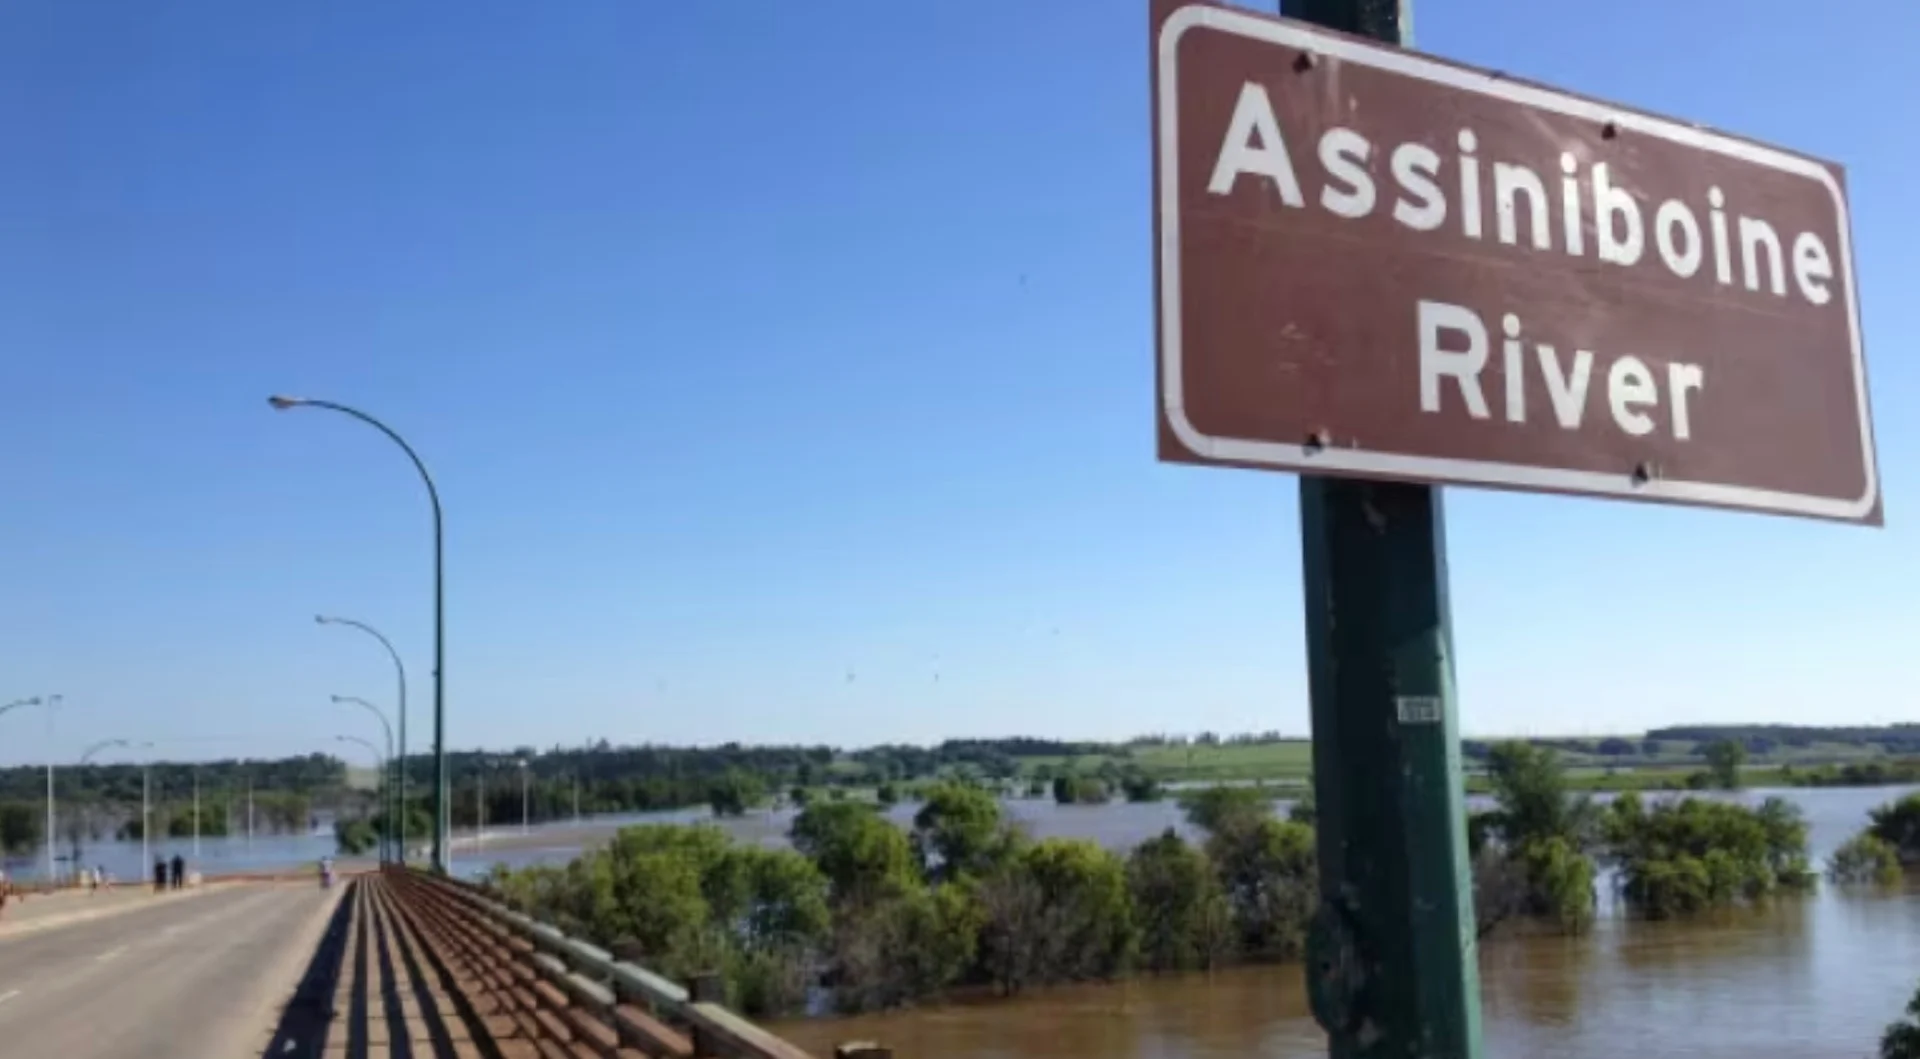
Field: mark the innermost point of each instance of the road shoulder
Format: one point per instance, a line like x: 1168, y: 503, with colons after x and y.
x: 277, y: 985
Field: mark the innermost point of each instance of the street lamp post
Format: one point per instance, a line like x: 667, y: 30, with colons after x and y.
x: 146, y: 814
x: 439, y: 616
x: 87, y: 755
x: 525, y: 823
x: 386, y: 769
x: 51, y: 701
x: 398, y: 761
x: 378, y: 761
x: 196, y: 814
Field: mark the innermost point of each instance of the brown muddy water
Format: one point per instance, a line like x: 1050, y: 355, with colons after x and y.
x: 1801, y: 978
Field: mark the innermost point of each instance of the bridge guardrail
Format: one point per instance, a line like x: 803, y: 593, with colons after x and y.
x: 606, y: 1002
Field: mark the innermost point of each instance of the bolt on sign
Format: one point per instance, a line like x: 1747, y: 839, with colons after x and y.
x: 1374, y: 263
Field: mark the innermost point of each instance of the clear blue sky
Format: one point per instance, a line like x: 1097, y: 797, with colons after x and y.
x: 774, y: 358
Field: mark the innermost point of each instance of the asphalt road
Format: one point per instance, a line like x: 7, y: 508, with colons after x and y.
x: 186, y: 979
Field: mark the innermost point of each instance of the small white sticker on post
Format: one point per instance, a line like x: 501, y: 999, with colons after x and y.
x: 1418, y: 709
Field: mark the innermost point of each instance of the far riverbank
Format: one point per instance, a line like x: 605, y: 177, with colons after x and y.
x: 1833, y: 815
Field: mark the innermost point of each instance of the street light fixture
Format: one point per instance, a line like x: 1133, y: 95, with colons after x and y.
x: 399, y: 761
x: 16, y: 704
x: 386, y: 770
x: 87, y: 754
x: 440, y: 808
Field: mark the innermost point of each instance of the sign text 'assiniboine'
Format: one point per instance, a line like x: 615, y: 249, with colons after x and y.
x: 1375, y: 263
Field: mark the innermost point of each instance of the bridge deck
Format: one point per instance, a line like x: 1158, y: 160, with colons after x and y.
x: 416, y: 966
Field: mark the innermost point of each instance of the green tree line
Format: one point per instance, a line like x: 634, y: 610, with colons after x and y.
x: 878, y: 916
x: 22, y: 824
x: 1762, y: 738
x: 312, y: 774
x: 637, y: 778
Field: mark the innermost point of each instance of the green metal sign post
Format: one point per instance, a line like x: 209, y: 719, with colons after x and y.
x: 1392, y: 958
x: 1391, y: 961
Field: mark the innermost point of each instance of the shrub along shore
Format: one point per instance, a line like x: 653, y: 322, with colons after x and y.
x: 861, y: 914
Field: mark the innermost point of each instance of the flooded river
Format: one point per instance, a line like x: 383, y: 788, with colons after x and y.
x: 1802, y: 978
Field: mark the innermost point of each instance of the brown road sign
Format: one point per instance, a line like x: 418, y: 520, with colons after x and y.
x: 1374, y: 263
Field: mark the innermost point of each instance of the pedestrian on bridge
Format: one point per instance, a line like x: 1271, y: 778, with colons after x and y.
x: 179, y: 871
x: 159, y: 874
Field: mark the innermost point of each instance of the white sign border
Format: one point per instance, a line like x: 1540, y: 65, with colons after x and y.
x: 1481, y: 472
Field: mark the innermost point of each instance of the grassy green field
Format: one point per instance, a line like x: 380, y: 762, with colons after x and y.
x: 1680, y: 753
x: 1650, y: 778
x: 1277, y: 762
x: 1291, y: 761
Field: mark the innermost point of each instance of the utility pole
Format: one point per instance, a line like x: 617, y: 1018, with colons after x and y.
x: 51, y: 878
x: 1391, y: 955
x: 196, y: 815
x: 386, y: 769
x: 479, y: 811
x: 146, y: 815
x: 396, y: 758
x: 442, y: 784
x: 249, y: 812
x: 576, y: 799
x: 525, y: 822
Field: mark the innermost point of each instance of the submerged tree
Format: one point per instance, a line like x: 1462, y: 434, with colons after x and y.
x: 1185, y: 921
x: 1531, y: 850
x: 1267, y: 868
x: 958, y: 831
x: 1059, y: 910
x: 864, y: 857
x: 1684, y: 856
x: 1864, y: 858
x: 734, y: 792
x: 1898, y: 825
x: 1724, y: 759
x: 1902, y: 1039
